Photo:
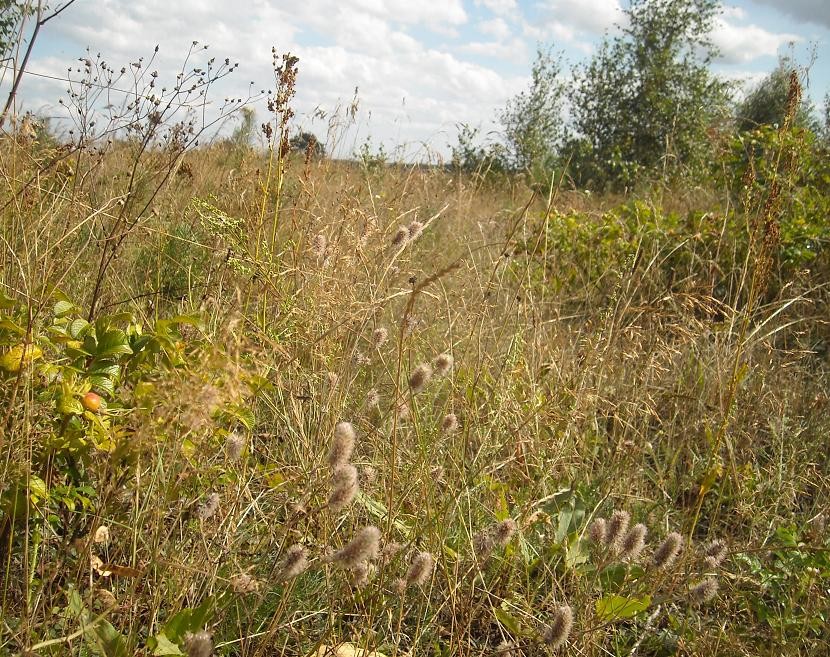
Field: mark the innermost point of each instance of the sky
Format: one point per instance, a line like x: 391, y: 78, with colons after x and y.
x: 418, y: 68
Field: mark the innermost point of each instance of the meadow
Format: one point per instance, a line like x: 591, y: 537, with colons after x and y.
x: 259, y: 402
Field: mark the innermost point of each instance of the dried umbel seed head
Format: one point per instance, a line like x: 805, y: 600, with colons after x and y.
x: 443, y: 364
x: 714, y: 554
x: 450, y: 423
x: 616, y: 527
x: 633, y: 542
x: 342, y: 445
x: 401, y: 236
x: 598, y: 531
x: 343, y: 487
x: 503, y: 532
x: 363, y: 547
x: 704, y: 591
x: 420, y: 570
x: 379, y: 337
x: 243, y: 584
x: 420, y: 377
x: 372, y: 398
x: 560, y: 627
x: 415, y: 229
x: 234, y: 445
x: 198, y: 645
x: 209, y: 507
x: 294, y: 563
x: 667, y: 552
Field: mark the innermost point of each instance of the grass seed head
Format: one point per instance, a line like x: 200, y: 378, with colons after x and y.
x: 616, y: 527
x: 363, y: 547
x: 342, y: 445
x: 209, y: 507
x: 415, y: 229
x: 704, y: 591
x: 420, y: 377
x: 503, y: 532
x: 379, y: 337
x: 420, y: 569
x: 668, y: 551
x: 633, y: 542
x: 714, y: 554
x: 560, y: 627
x: 598, y: 531
x: 401, y: 236
x: 294, y: 563
x: 343, y: 487
x: 443, y: 364
x: 234, y: 445
x: 198, y: 645
x: 450, y: 423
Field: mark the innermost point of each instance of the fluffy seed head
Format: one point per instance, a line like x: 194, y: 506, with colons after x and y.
x: 244, y: 583
x: 560, y: 627
x: 361, y: 573
x: 363, y: 547
x: 209, y: 507
x: 379, y: 337
x: 704, y: 590
x: 343, y: 487
x: 633, y: 542
x: 598, y: 531
x: 199, y: 644
x: 234, y: 444
x: 342, y: 445
x: 370, y: 474
x: 399, y: 586
x: 420, y: 569
x: 401, y: 236
x: 389, y: 551
x: 443, y: 364
x: 318, y: 246
x: 372, y: 398
x: 420, y: 377
x: 667, y: 552
x: 483, y: 544
x: 714, y: 554
x: 294, y: 563
x: 616, y: 527
x: 503, y: 532
x: 450, y: 423
x: 415, y: 229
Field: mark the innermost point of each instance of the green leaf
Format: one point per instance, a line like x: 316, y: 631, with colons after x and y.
x: 189, y: 620
x: 508, y: 620
x: 616, y: 607
x: 102, y: 384
x: 68, y: 405
x: 112, y: 343
x: 63, y: 308
x: 79, y: 328
x: 161, y: 645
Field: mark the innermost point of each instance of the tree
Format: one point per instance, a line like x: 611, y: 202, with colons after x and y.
x: 307, y: 142
x: 533, y: 120
x: 766, y: 103
x: 647, y: 98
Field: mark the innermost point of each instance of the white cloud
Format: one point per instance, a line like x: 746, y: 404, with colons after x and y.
x: 495, y: 28
x: 740, y: 44
x: 499, y: 7
x: 807, y: 11
x: 589, y: 16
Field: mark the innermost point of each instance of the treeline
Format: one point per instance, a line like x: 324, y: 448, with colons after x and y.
x: 647, y: 105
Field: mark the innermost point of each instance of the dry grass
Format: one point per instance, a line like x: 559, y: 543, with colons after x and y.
x: 691, y: 411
